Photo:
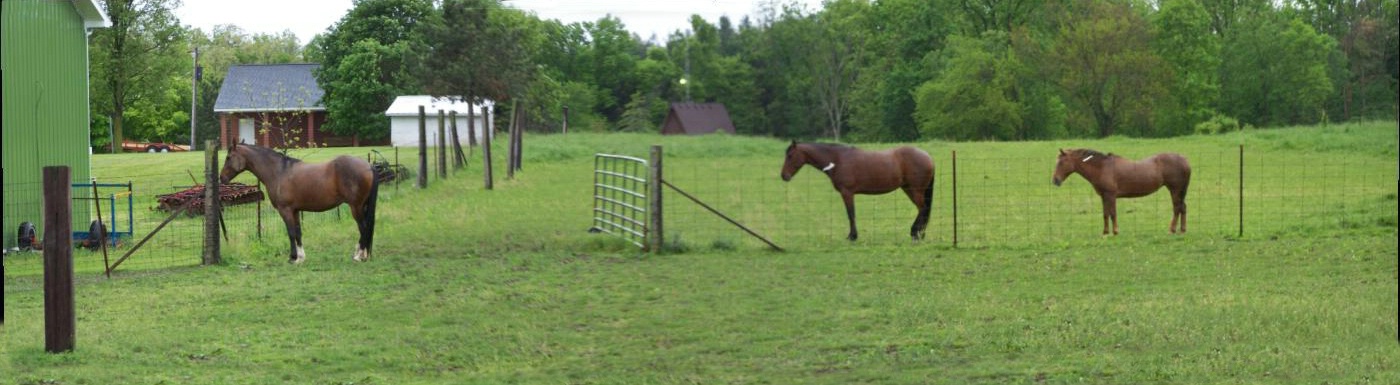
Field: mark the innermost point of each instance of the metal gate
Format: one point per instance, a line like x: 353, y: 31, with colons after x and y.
x: 620, y: 202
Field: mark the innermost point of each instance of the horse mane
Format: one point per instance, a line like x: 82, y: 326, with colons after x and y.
x: 287, y: 161
x: 833, y: 147
x: 1085, y: 152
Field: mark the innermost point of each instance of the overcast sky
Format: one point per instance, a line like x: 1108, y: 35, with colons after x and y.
x: 306, y: 18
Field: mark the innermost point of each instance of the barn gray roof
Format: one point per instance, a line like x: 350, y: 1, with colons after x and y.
x: 270, y: 87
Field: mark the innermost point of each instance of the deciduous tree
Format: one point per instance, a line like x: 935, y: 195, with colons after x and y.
x: 367, y: 59
x: 479, y: 52
x: 1102, y: 60
x: 134, y: 58
x: 973, y: 97
x: 1192, y: 53
x: 1274, y: 71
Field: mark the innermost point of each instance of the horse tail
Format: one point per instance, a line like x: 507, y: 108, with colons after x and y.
x: 369, y: 211
x: 928, y: 195
x: 927, y: 210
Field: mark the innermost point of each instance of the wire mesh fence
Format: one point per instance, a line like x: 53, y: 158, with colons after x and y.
x: 1011, y: 200
x: 999, y: 200
x: 132, y: 208
x: 178, y: 243
x: 24, y: 202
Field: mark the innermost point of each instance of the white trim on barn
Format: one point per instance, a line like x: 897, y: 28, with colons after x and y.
x: 93, y: 16
x: 403, y: 119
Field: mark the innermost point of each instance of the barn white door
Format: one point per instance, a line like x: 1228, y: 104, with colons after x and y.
x: 246, y: 132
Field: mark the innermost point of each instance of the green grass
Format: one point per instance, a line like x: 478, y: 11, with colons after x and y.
x: 505, y: 286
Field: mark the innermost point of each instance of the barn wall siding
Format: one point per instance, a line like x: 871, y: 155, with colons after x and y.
x: 404, y: 130
x: 45, y: 106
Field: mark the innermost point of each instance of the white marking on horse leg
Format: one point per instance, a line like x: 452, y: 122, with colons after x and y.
x: 360, y: 255
x: 301, y: 255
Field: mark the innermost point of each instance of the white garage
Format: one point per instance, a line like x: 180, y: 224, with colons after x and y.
x: 403, y: 119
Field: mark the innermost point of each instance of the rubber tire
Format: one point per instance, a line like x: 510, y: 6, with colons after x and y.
x: 151, y: 149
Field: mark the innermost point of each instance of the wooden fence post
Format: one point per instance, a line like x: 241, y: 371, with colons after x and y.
x: 458, y: 159
x: 519, y: 140
x: 471, y: 126
x: 486, y: 145
x: 655, y: 230
x: 59, y: 320
x: 212, y: 209
x: 442, y: 145
x: 422, y: 148
x: 510, y: 138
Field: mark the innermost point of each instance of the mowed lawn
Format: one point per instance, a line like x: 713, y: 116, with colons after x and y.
x: 506, y: 286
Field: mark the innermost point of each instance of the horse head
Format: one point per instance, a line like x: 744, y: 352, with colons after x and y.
x: 235, y: 163
x: 1064, y: 166
x: 1075, y: 160
x: 793, y: 162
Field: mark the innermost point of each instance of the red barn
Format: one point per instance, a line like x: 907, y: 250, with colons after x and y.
x: 276, y: 105
x: 697, y: 119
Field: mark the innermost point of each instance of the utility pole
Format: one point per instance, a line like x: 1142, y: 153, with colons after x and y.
x: 194, y: 95
x: 685, y: 81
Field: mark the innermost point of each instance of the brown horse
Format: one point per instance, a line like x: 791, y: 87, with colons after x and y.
x: 1114, y: 177
x: 855, y: 171
x: 294, y: 186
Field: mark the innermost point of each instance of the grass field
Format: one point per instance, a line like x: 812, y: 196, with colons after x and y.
x: 505, y: 286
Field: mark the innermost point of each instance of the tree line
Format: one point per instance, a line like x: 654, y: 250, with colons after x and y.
x: 854, y: 70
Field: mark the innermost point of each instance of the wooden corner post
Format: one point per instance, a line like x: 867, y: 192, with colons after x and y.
x: 59, y: 320
x: 212, y: 209
x: 655, y: 229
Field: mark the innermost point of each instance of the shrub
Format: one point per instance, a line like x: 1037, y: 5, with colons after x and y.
x: 1219, y: 124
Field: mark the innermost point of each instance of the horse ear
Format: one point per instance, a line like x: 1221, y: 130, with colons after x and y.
x: 1062, y: 151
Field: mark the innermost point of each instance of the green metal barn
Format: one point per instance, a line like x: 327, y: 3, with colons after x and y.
x: 45, y: 113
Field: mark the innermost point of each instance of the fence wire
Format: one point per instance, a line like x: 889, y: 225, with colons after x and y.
x: 178, y: 244
x: 1011, y: 200
x: 1000, y: 201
